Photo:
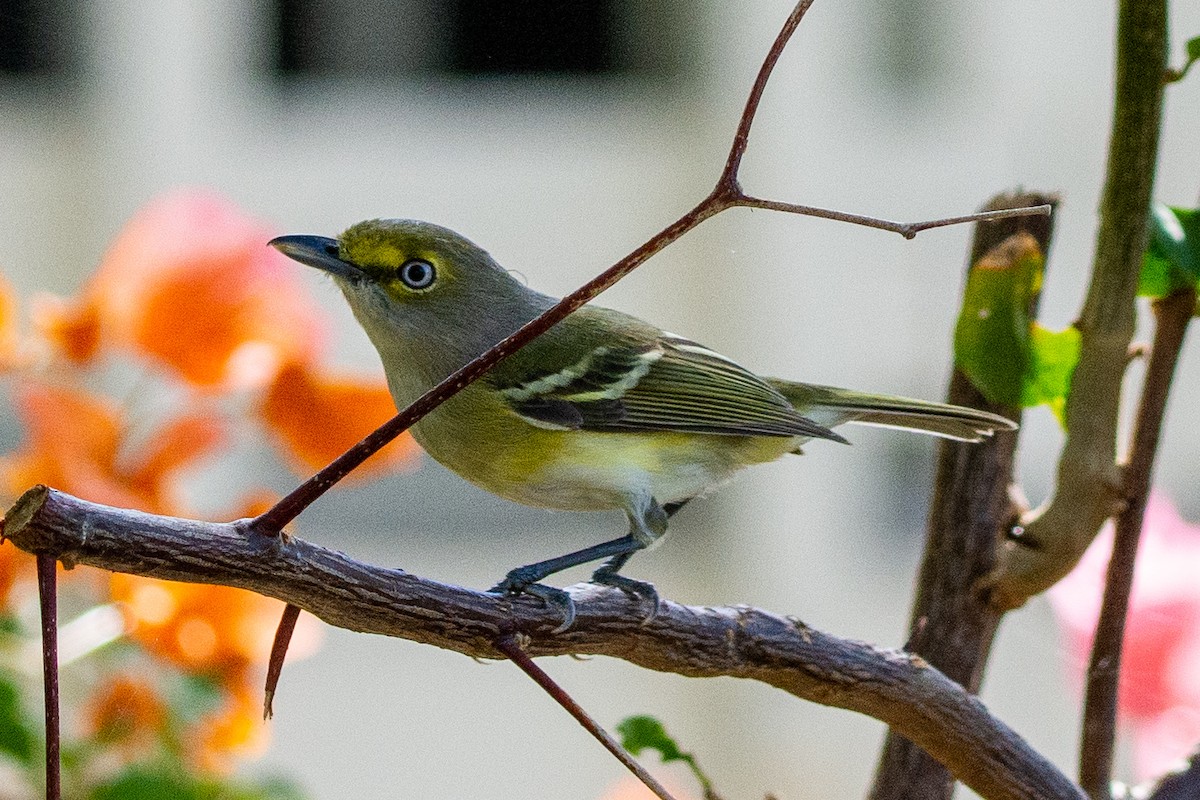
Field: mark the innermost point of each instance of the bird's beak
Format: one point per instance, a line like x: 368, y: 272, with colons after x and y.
x: 317, y: 251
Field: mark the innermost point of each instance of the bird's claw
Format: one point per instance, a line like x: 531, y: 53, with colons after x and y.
x: 516, y: 583
x: 639, y: 589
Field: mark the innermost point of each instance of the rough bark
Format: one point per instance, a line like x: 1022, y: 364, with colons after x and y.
x: 900, y: 689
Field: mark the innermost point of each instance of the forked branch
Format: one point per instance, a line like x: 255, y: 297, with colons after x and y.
x: 1090, y: 483
x: 726, y: 194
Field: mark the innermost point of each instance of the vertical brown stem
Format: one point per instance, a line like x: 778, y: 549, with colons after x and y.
x: 952, y: 624
x: 1172, y: 316
x: 48, y: 597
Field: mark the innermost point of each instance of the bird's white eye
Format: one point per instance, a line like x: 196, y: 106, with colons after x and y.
x: 417, y: 274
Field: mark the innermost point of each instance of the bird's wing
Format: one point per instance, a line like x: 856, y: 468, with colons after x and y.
x: 661, y: 383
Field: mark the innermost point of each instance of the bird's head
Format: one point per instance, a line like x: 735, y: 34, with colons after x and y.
x: 423, y: 293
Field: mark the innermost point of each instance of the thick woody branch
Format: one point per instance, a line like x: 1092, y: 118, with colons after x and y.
x: 901, y: 690
x: 1183, y: 784
x: 1089, y: 484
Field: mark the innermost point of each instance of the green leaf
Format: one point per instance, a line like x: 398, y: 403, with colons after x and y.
x: 16, y: 736
x: 1192, y: 49
x: 1011, y: 359
x: 1157, y: 278
x: 643, y: 732
x: 194, y: 695
x: 1172, y: 259
x: 151, y: 783
x: 168, y: 780
x: 9, y: 626
x: 1053, y: 356
x: 991, y: 338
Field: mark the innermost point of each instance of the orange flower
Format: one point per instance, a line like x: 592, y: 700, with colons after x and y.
x: 201, y: 628
x: 126, y: 712
x: 191, y: 282
x: 236, y: 731
x: 70, y: 326
x: 71, y: 442
x: 216, y: 630
x: 318, y: 416
x: 12, y: 561
x: 9, y: 325
x: 74, y: 442
x: 630, y: 788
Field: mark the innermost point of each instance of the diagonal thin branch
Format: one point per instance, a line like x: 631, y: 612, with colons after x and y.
x: 741, y: 137
x: 902, y: 690
x: 283, y: 512
x: 726, y: 194
x: 511, y: 647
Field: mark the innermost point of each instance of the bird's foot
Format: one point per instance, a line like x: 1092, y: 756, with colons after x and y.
x: 640, y: 589
x: 520, y: 581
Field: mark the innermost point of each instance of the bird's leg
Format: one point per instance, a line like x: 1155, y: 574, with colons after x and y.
x: 646, y: 525
x: 524, y: 580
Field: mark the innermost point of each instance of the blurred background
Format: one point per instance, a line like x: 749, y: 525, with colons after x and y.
x: 559, y: 136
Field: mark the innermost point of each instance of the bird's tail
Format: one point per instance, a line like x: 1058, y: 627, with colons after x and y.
x: 831, y: 406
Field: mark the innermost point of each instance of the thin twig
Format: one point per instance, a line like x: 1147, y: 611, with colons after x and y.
x: 509, y: 645
x: 952, y: 624
x: 279, y: 647
x: 741, y: 137
x: 906, y: 229
x: 48, y: 597
x: 726, y: 194
x: 283, y: 512
x: 1172, y: 315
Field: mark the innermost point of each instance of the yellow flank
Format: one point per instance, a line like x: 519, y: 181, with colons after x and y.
x: 476, y: 435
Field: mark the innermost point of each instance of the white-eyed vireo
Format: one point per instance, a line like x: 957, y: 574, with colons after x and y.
x: 603, y: 411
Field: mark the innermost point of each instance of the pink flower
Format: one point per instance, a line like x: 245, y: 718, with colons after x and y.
x: 1159, y: 695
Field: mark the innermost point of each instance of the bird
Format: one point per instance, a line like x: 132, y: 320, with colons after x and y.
x: 602, y: 411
